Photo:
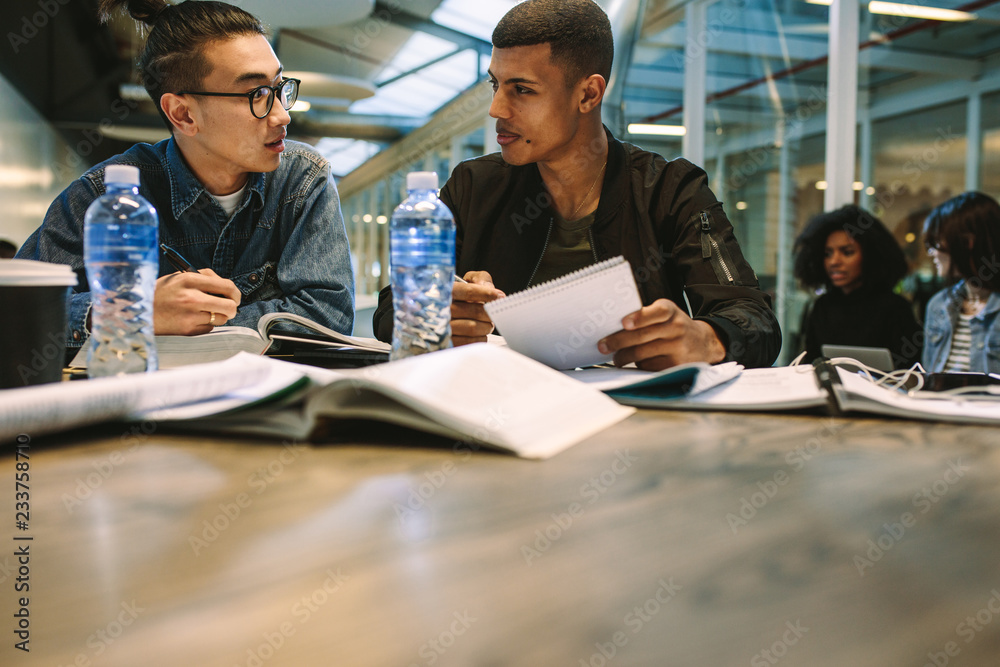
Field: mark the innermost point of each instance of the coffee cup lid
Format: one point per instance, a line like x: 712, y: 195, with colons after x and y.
x: 28, y: 272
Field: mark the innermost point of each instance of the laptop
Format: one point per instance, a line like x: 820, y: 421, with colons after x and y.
x: 878, y: 358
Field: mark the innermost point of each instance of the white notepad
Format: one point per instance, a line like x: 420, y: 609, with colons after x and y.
x: 559, y: 322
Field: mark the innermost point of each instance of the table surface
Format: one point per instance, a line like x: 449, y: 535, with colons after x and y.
x: 669, y: 539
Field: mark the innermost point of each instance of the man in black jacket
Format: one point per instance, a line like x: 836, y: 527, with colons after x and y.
x: 564, y: 193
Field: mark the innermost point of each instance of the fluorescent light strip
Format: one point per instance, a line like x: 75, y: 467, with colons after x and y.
x: 918, y: 12
x: 663, y: 130
x: 910, y: 11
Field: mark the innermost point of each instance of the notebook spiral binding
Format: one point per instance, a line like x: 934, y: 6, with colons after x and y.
x: 557, y: 284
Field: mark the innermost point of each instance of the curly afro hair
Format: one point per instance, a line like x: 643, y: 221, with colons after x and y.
x: 882, y: 261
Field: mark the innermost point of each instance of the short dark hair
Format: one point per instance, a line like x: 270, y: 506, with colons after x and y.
x: 578, y: 30
x: 882, y: 261
x: 173, y: 58
x: 967, y: 227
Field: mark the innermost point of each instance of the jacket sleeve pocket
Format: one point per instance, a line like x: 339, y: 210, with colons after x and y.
x: 259, y: 284
x: 715, y: 251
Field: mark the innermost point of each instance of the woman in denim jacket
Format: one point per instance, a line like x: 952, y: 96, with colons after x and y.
x: 962, y: 330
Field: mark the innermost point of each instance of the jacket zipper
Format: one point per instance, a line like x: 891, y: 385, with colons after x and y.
x: 544, y: 248
x: 593, y: 249
x: 708, y: 242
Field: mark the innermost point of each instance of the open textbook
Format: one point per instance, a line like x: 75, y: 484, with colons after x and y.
x: 275, y: 333
x: 823, y: 387
x: 482, y: 394
x: 632, y: 386
x: 559, y: 322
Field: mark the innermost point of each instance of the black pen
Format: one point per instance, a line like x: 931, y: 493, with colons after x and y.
x: 177, y: 259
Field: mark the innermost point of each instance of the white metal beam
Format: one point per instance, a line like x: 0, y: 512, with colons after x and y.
x: 786, y: 190
x: 673, y: 80
x: 886, y: 57
x: 717, y: 113
x: 898, y: 99
x: 695, y: 71
x: 974, y: 142
x: 867, y: 158
x: 842, y: 106
x: 738, y: 41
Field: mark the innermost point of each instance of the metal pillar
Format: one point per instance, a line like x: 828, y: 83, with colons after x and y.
x: 786, y: 189
x: 867, y: 158
x: 457, y: 154
x: 490, y: 144
x: 841, y: 108
x: 626, y: 23
x: 695, y: 74
x: 974, y: 141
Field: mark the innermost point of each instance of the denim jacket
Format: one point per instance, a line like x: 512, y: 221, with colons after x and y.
x: 942, y: 316
x: 285, y: 247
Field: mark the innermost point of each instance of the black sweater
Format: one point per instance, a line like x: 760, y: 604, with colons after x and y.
x: 866, y: 318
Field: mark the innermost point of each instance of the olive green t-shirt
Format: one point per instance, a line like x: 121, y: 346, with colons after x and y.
x: 568, y: 249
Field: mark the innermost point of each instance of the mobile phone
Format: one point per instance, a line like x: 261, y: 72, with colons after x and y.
x: 946, y: 381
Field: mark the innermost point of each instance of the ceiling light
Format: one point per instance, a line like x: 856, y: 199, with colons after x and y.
x: 741, y: 206
x: 821, y: 185
x: 910, y: 11
x: 918, y: 12
x: 301, y: 105
x: 663, y: 130
x: 330, y: 91
x: 858, y: 186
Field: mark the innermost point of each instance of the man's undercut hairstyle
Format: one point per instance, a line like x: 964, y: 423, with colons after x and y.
x: 967, y: 227
x: 173, y: 57
x: 578, y: 30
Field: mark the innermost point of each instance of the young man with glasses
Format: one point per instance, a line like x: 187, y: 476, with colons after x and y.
x: 259, y: 216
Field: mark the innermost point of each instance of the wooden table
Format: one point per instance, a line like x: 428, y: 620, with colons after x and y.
x: 670, y: 539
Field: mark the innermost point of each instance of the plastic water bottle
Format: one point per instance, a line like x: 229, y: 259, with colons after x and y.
x: 422, y: 264
x: 120, y: 254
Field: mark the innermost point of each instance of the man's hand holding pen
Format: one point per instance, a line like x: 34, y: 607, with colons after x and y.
x: 192, y: 301
x: 469, y: 321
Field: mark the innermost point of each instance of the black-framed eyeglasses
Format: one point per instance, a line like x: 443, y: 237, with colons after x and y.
x: 262, y: 97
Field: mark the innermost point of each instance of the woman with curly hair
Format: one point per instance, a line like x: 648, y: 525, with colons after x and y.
x: 962, y: 331
x: 854, y: 262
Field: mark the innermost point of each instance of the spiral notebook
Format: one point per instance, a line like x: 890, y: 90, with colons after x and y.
x: 560, y: 321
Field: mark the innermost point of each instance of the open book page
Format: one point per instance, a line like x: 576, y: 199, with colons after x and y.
x: 227, y: 341
x: 760, y: 389
x: 560, y: 322
x: 860, y: 394
x: 216, y: 345
x: 271, y: 321
x: 685, y: 379
x: 608, y: 377
x: 489, y: 394
x: 59, y: 406
x: 278, y: 379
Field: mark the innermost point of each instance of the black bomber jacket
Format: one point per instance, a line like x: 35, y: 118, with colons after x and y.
x: 661, y: 215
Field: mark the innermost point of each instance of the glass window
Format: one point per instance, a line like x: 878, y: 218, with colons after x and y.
x: 989, y: 173
x: 919, y: 162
